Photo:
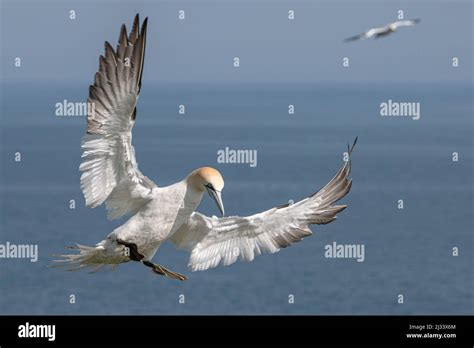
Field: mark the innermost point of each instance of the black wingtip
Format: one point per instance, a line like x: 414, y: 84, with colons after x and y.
x: 108, y: 47
x: 352, y: 38
x: 123, y: 31
x: 144, y: 25
x: 143, y: 36
x: 135, y: 29
x: 354, y: 144
x: 351, y: 148
x: 136, y: 25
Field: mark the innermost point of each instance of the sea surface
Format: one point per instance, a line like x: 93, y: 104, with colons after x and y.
x: 408, y: 251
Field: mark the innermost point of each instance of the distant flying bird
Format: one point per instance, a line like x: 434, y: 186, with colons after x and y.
x: 383, y: 31
x: 110, y: 174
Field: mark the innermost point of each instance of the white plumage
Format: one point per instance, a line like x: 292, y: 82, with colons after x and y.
x: 223, y: 241
x: 110, y: 175
x: 383, y: 31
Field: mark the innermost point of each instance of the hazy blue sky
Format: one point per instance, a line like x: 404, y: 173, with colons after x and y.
x: 271, y: 47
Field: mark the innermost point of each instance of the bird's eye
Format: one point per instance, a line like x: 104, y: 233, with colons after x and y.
x: 209, y: 186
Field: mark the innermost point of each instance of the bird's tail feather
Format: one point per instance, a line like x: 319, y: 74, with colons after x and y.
x: 93, y: 258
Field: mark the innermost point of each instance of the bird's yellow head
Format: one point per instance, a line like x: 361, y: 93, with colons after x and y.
x: 210, y: 176
x: 210, y: 180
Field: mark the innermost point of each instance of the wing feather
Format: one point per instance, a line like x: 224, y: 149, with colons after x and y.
x: 222, y: 241
x: 405, y: 23
x: 110, y: 172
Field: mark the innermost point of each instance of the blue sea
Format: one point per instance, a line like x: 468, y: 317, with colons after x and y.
x: 408, y: 251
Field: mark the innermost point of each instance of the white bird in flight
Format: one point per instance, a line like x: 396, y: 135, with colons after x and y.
x: 383, y: 31
x: 110, y: 174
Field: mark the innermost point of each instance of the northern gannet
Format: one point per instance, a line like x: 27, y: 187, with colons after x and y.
x: 110, y: 174
x: 383, y: 31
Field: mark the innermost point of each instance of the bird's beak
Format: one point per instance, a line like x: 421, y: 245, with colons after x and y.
x: 216, y: 196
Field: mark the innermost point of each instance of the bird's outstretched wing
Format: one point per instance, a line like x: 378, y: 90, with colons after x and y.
x: 355, y: 37
x: 222, y: 241
x: 405, y: 23
x: 109, y: 170
x: 367, y: 35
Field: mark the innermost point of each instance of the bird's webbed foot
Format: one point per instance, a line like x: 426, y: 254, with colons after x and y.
x: 159, y: 269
